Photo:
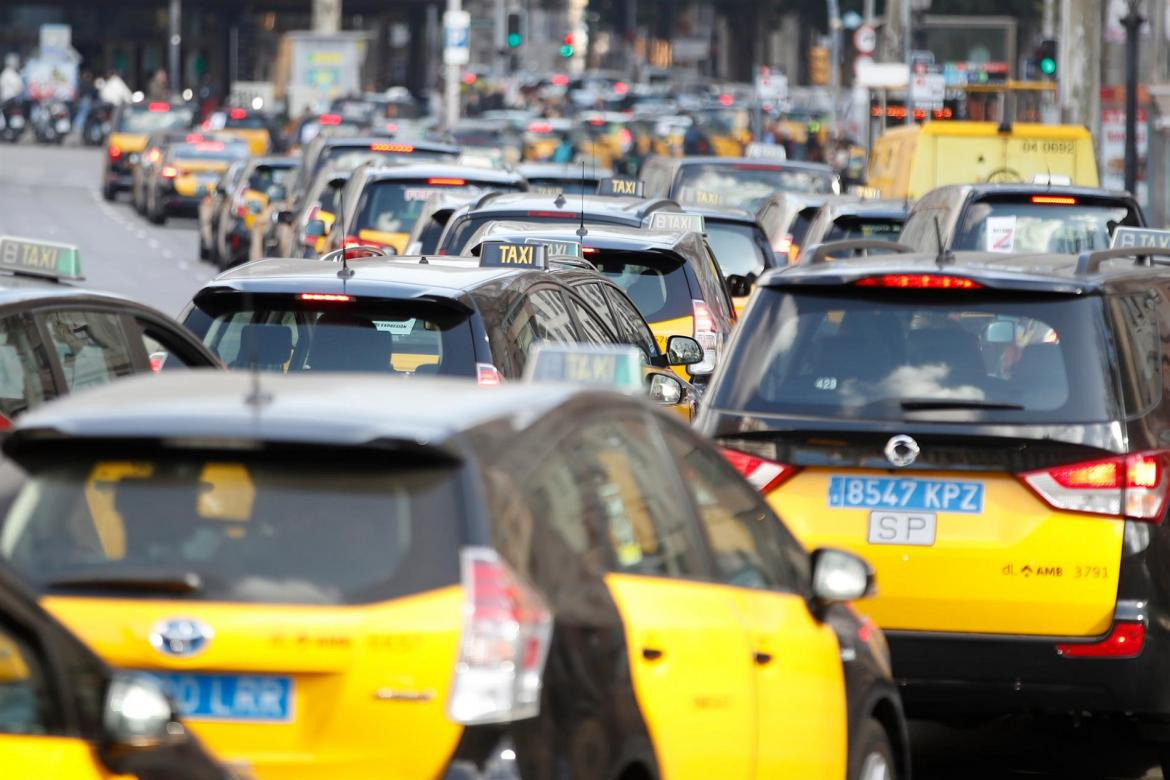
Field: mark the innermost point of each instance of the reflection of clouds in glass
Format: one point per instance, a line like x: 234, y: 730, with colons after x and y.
x: 285, y: 591
x: 925, y: 381
x: 787, y: 323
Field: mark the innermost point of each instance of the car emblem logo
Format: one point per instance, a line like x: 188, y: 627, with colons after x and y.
x: 902, y: 451
x: 181, y: 636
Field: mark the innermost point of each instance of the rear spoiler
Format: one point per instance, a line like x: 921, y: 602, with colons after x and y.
x: 820, y: 253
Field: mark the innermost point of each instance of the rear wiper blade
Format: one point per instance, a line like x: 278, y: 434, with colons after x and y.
x: 130, y: 580
x: 929, y: 404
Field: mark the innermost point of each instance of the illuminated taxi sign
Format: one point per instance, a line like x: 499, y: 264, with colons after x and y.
x: 615, y: 367
x: 556, y: 248
x: 1138, y: 238
x: 669, y: 220
x: 500, y: 254
x: 623, y: 187
x: 39, y: 258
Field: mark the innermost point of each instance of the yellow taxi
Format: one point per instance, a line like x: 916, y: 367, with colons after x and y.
x: 336, y: 586
x: 188, y: 172
x: 133, y: 125
x: 248, y: 126
x: 542, y: 137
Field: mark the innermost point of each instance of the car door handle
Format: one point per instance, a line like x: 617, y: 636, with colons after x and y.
x: 762, y: 659
x: 651, y: 653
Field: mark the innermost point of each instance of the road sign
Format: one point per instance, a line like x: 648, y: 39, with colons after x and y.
x: 928, y: 90
x: 456, y: 37
x: 860, y: 63
x: 771, y: 85
x: 865, y: 39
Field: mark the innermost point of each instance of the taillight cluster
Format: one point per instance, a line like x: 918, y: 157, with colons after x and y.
x: 1134, y: 486
x: 707, y: 334
x: 488, y: 375
x: 764, y: 475
x: 507, y: 630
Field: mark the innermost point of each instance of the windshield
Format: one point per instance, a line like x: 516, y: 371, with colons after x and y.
x: 286, y: 333
x: 847, y: 228
x: 230, y: 530
x: 265, y: 176
x: 655, y: 282
x: 1006, y: 226
x: 739, y: 248
x: 210, y: 150
x: 394, y: 206
x: 143, y: 120
x: 826, y: 355
x: 747, y: 185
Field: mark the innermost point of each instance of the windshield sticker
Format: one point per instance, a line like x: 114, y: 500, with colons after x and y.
x: 415, y: 193
x: 396, y: 327
x: 1001, y: 234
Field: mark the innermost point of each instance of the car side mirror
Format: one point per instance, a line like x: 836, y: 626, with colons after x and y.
x: 740, y: 286
x: 839, y: 576
x: 666, y: 389
x: 276, y: 192
x: 315, y: 228
x: 138, y: 715
x: 1000, y: 332
x: 683, y: 351
x: 286, y: 216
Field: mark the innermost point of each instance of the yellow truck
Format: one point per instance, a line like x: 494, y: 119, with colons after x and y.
x: 908, y: 161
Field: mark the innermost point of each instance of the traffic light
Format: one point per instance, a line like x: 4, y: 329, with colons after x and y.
x: 515, y: 29
x: 818, y: 65
x: 1046, y: 57
x: 567, y: 45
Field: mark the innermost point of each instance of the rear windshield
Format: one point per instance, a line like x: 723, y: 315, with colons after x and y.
x: 239, y: 531
x: 749, y: 185
x: 851, y: 227
x: 143, y: 120
x: 567, y: 186
x: 394, y: 206
x: 656, y: 283
x: 265, y: 176
x: 285, y: 333
x: 739, y: 248
x: 1024, y: 226
x: 921, y: 356
x: 210, y: 150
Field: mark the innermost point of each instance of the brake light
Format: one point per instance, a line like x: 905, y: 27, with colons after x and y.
x: 158, y: 108
x: 399, y: 148
x: 507, y: 630
x: 755, y: 167
x: 442, y: 182
x: 487, y: 375
x: 326, y: 297
x: 560, y: 80
x: 1054, y: 200
x: 1126, y: 640
x: 554, y: 214
x: 1134, y: 486
x: 154, y: 155
x: 763, y: 474
x: 169, y: 172
x: 709, y: 338
x: 919, y: 282
x: 194, y: 138
x: 589, y: 250
x: 540, y: 127
x: 115, y: 153
x: 726, y: 100
x: 237, y: 113
x: 329, y: 119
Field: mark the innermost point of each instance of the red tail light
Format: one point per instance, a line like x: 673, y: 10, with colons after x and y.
x: 169, y: 172
x: 330, y: 119
x: 765, y: 475
x: 326, y: 297
x: 1054, y: 200
x: 115, y: 153
x: 709, y: 338
x: 1126, y: 640
x: 241, y: 209
x: 399, y: 148
x: 554, y: 214
x: 444, y: 182
x: 919, y: 282
x: 507, y: 630
x: 158, y: 108
x: 487, y: 375
x: 237, y: 113
x: 1134, y: 486
x: 194, y: 138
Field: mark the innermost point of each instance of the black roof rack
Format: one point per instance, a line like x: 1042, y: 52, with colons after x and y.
x: 820, y: 253
x: 1090, y: 262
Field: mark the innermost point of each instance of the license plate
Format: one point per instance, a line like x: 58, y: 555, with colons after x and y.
x: 887, y: 526
x: 909, y: 493
x: 253, y: 698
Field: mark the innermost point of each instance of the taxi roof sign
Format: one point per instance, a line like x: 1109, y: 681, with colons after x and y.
x: 672, y: 220
x: 39, y: 258
x: 503, y: 254
x: 558, y: 248
x: 1140, y: 238
x: 620, y: 187
x: 617, y: 367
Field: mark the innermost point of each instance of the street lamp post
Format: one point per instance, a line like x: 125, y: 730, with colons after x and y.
x: 1132, y: 23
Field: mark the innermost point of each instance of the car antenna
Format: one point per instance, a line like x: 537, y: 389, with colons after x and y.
x: 581, y: 231
x: 346, y: 272
x: 945, y: 256
x: 256, y: 397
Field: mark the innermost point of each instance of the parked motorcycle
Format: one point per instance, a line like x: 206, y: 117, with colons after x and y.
x: 98, y: 123
x: 12, y: 120
x: 50, y: 121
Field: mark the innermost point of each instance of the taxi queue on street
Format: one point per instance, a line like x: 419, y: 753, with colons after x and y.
x: 620, y: 480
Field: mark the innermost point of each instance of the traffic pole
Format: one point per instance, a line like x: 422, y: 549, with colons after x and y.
x: 1132, y: 23
x: 453, y: 72
x: 174, y: 40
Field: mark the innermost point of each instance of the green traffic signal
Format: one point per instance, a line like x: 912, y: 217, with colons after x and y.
x: 1048, y: 66
x: 514, y: 39
x: 566, y: 50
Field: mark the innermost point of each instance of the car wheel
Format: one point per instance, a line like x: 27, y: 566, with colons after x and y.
x: 872, y: 758
x: 204, y: 252
x: 108, y: 192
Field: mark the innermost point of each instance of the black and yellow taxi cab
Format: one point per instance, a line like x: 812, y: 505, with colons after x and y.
x: 132, y: 125
x: 300, y: 131
x: 262, y: 179
x: 381, y: 203
x: 244, y: 124
x: 304, y: 222
x: 548, y: 208
x: 144, y: 163
x: 991, y: 433
x: 213, y: 210
x: 845, y: 218
x: 65, y: 715
x: 740, y: 182
x: 522, y: 581
x: 667, y: 270
x: 542, y: 137
x: 477, y: 318
x: 1019, y: 218
x: 551, y: 178
x: 189, y: 171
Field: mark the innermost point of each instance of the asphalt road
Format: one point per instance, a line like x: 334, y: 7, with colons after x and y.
x: 52, y: 194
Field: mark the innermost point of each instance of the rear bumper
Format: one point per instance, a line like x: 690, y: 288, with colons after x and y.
x: 946, y: 675
x: 119, y: 180
x: 182, y: 203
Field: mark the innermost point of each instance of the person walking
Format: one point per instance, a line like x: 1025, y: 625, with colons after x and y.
x: 158, y: 89
x: 11, y: 82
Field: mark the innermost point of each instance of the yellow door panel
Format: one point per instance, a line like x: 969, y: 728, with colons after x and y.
x: 1019, y: 567
x: 697, y: 697
x: 664, y: 329
x: 802, y: 720
x: 386, y: 238
x: 50, y: 758
x: 366, y: 680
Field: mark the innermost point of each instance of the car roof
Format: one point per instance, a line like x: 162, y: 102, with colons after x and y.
x: 381, y: 140
x: 566, y: 171
x: 802, y: 165
x: 277, y: 161
x: 881, y: 209
x: 1032, y: 188
x: 602, y: 236
x: 423, y: 170
x: 15, y: 288
x: 632, y: 209
x: 212, y: 409
x: 721, y: 213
